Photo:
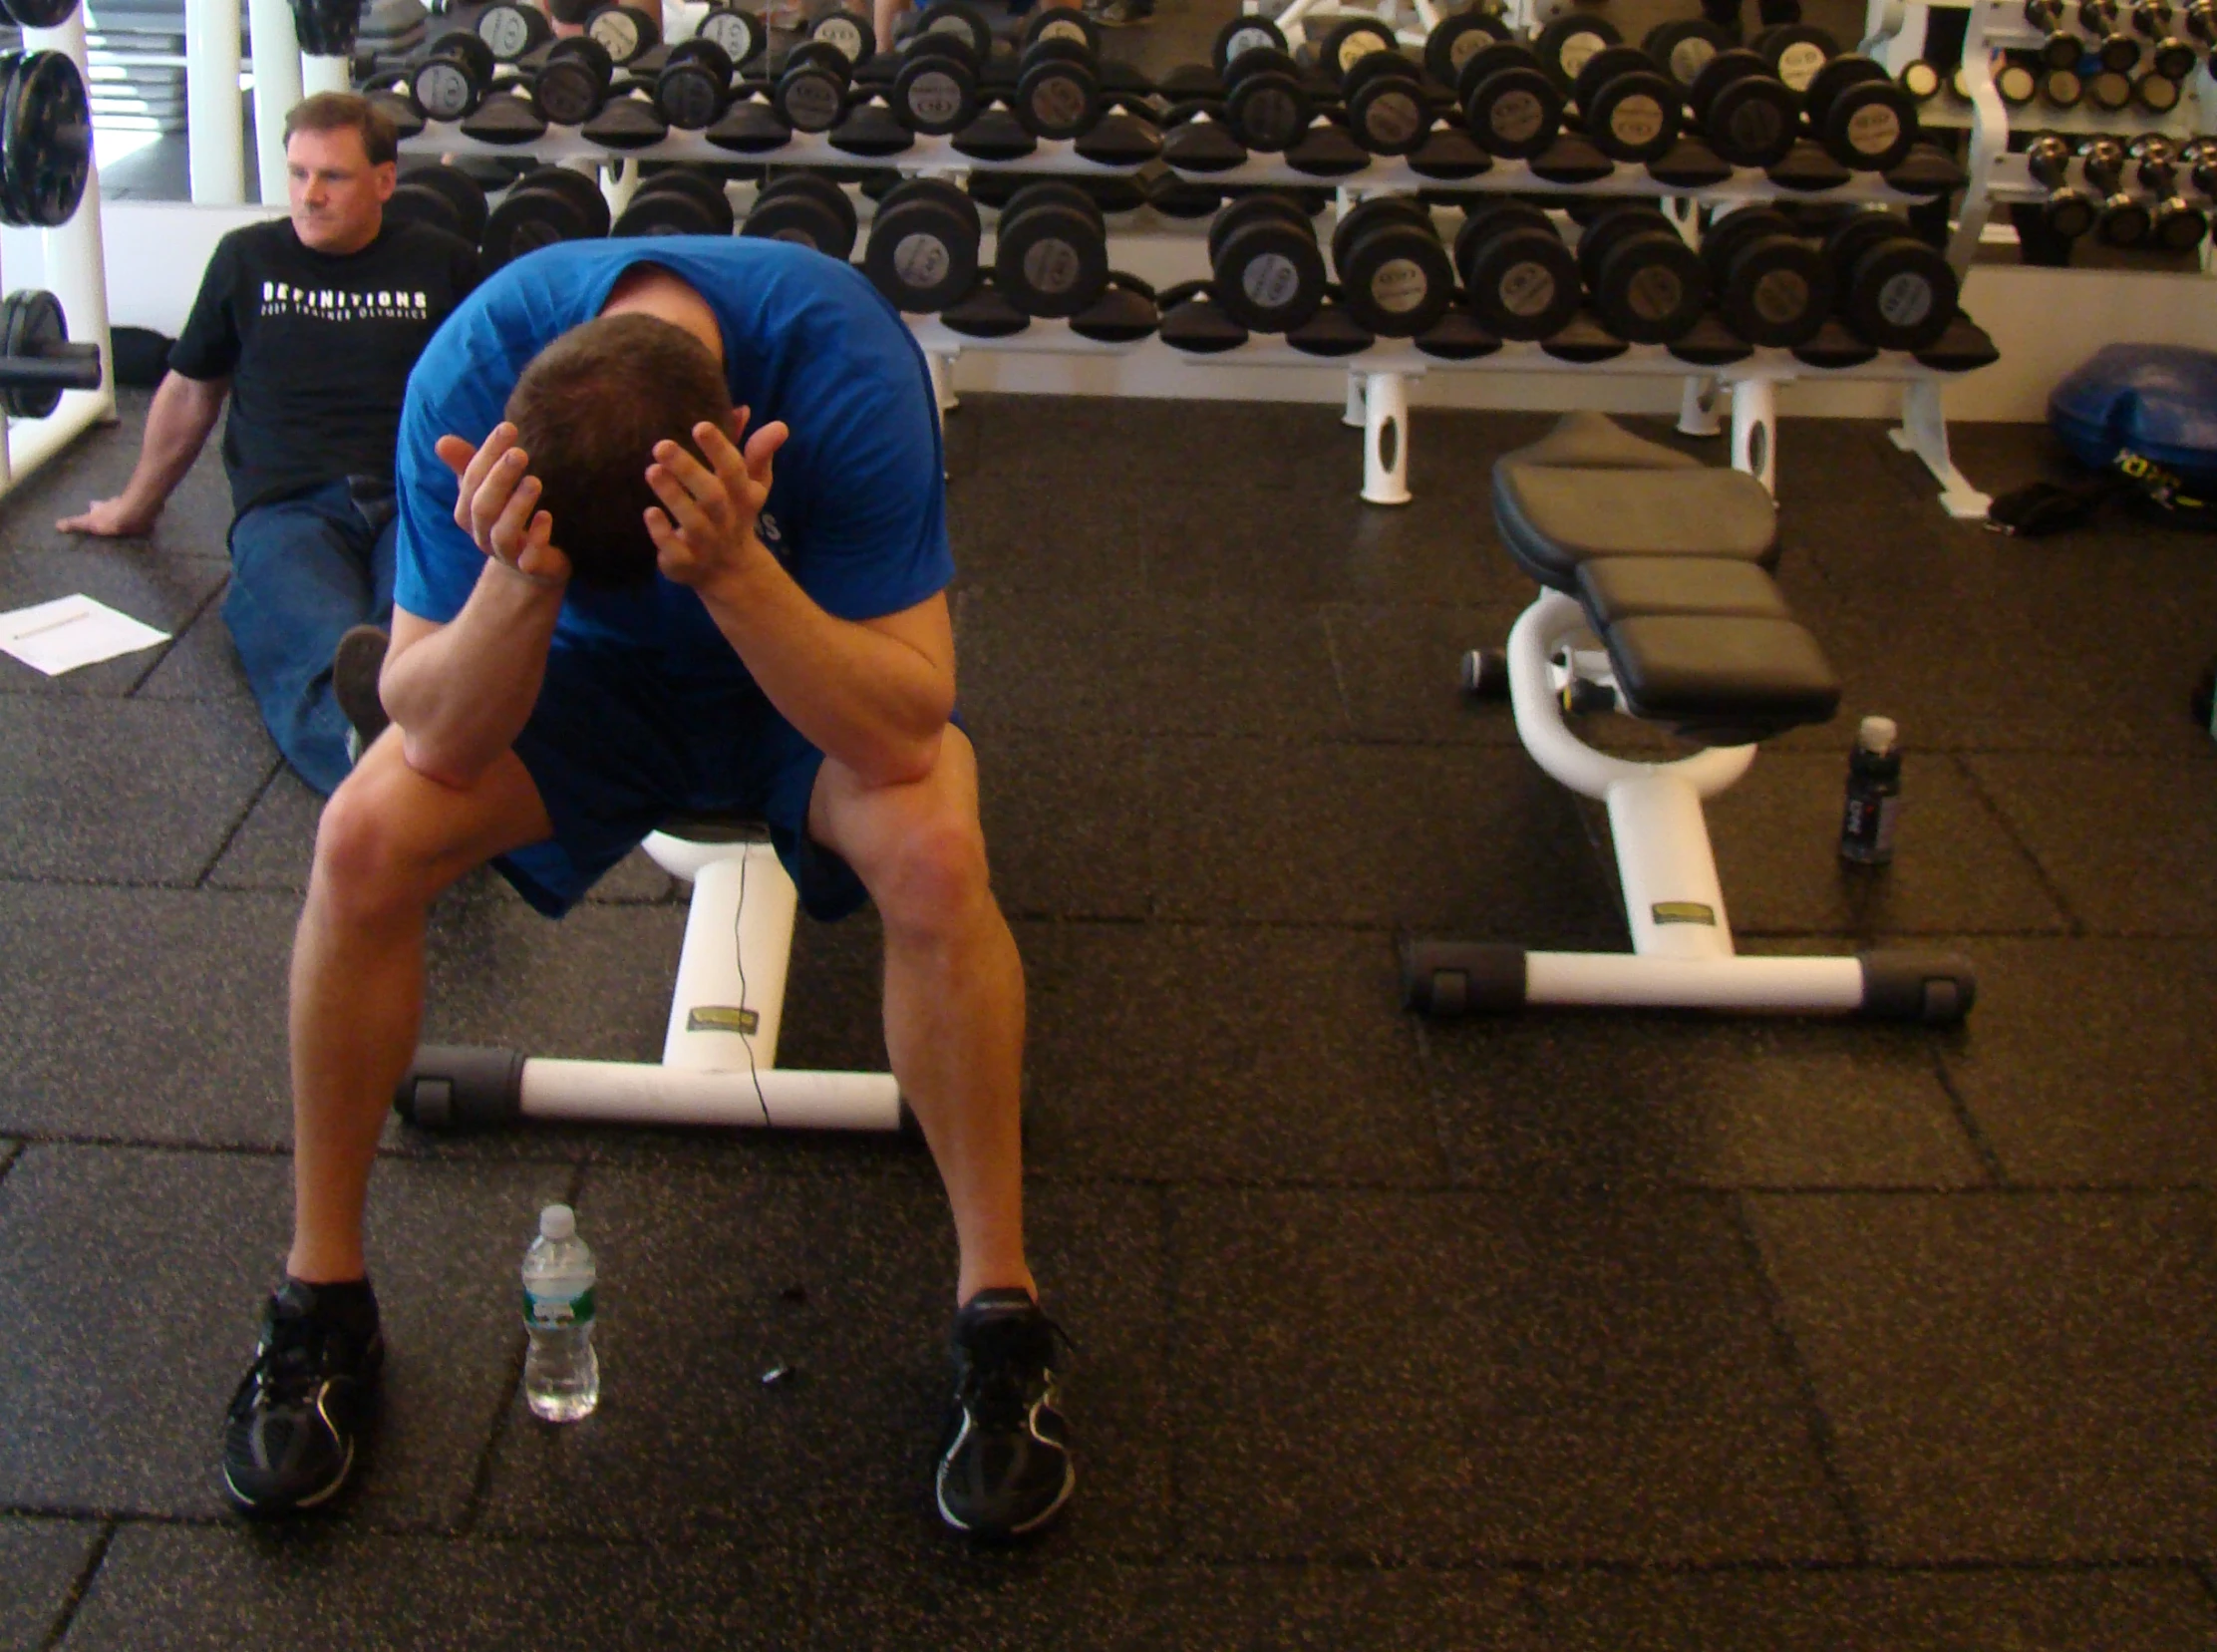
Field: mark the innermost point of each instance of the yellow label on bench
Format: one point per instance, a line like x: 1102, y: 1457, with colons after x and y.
x: 716, y: 1018
x: 1683, y: 911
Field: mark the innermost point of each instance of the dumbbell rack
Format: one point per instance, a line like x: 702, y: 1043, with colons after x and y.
x: 1377, y: 379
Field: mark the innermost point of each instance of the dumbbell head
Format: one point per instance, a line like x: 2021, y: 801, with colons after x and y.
x: 1864, y: 121
x: 1242, y: 34
x: 625, y: 31
x: 1771, y: 285
x: 2015, y: 82
x: 1795, y: 51
x: 676, y: 201
x: 1063, y: 23
x: 1647, y: 284
x: 1748, y: 114
x: 959, y: 21
x: 1265, y: 103
x: 741, y: 34
x: 1628, y: 106
x: 1682, y: 49
x: 812, y: 87
x: 464, y: 197
x: 1397, y: 276
x: 1567, y: 43
x: 935, y: 90
x: 1268, y: 271
x: 1386, y: 111
x: 806, y: 208
x: 1512, y: 106
x: 1050, y: 252
x: 545, y: 205
x: 2061, y: 88
x: 572, y: 83
x: 451, y: 80
x: 2068, y: 211
x: 1919, y: 81
x: 1058, y: 88
x: 694, y: 84
x: 923, y: 250
x: 2177, y: 226
x: 850, y: 34
x: 1349, y: 41
x: 1895, y: 290
x: 2157, y: 94
x: 2119, y: 52
x: 1518, y: 277
x: 511, y: 28
x: 1456, y: 40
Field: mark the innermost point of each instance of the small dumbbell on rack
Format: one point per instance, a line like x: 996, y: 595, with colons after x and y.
x: 545, y: 205
x: 1050, y: 250
x: 934, y: 90
x: 1509, y: 101
x: 1518, y: 278
x: 2123, y: 221
x: 678, y: 201
x: 1395, y: 274
x: 694, y: 84
x: 1896, y: 292
x: 1058, y: 78
x: 1770, y: 284
x: 1795, y: 51
x: 1267, y: 104
x: 1647, y: 285
x: 1864, y: 121
x: 807, y: 210
x: 572, y: 83
x: 1267, y: 270
x: 923, y: 248
x: 1627, y: 106
x: 2174, y: 223
x: 1747, y: 113
x: 2068, y: 211
x: 452, y: 77
x: 511, y: 29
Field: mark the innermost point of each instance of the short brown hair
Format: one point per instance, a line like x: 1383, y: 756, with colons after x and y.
x: 588, y: 410
x: 337, y: 110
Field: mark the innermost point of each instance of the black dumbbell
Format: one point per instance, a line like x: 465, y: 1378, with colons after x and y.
x: 2043, y: 15
x: 1349, y: 41
x: 1795, y: 51
x: 1682, y: 49
x: 1647, y: 284
x: 676, y: 201
x: 1266, y: 103
x: 2016, y: 83
x: 2201, y: 21
x: 2061, y: 88
x: 1627, y: 106
x: 570, y: 85
x: 625, y: 31
x: 1568, y: 43
x: 2122, y: 221
x: 2068, y: 211
x: 1456, y: 40
x: 961, y: 20
x: 444, y: 197
x: 1864, y: 121
x: 1386, y: 109
x: 1895, y: 291
x: 1058, y: 87
x: 2156, y: 93
x: 1050, y: 250
x: 2116, y: 49
x: 1919, y: 81
x: 806, y: 208
x: 1510, y: 103
x: 694, y: 84
x: 812, y: 87
x: 2173, y: 58
x: 1395, y: 274
x: 2173, y: 223
x: 923, y: 248
x: 850, y: 34
x: 451, y: 79
x: 741, y: 35
x: 1771, y: 284
x: 1268, y: 271
x: 1244, y: 33
x: 1748, y: 114
x: 512, y: 28
x: 1518, y: 277
x: 545, y: 205
x: 935, y: 88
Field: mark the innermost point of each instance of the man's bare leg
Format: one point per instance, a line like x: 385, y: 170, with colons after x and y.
x: 954, y: 991
x: 389, y: 843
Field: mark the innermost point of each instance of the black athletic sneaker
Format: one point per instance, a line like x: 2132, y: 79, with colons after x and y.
x: 290, y: 1438
x: 1005, y: 1469
x: 355, y: 667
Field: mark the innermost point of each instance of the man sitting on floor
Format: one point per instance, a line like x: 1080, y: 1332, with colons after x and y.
x: 309, y: 324
x: 607, y: 614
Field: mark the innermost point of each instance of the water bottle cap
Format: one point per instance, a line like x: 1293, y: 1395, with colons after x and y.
x: 557, y: 1222
x: 1877, y: 735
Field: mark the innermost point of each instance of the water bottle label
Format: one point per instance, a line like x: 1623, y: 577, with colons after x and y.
x: 557, y: 1313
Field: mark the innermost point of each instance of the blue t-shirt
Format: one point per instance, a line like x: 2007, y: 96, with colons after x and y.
x: 857, y: 501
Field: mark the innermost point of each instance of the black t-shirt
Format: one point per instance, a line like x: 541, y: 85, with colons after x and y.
x: 317, y: 347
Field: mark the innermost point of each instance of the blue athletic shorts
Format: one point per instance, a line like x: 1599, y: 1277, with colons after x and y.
x: 616, y: 746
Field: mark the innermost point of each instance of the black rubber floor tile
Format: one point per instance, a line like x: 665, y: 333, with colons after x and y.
x: 1400, y: 670
x: 696, y: 1276
x: 2087, y: 1060
x: 2142, y: 1609
x: 1236, y: 1054
x: 1141, y: 666
x: 126, y: 1351
x: 1464, y: 1377
x: 2014, y: 1377
x: 1063, y: 817
x: 124, y: 791
x: 197, y: 520
x: 202, y: 664
x: 275, y: 845
x: 165, y: 593
x: 2147, y: 877
x: 1451, y: 841
x: 1614, y: 1098
x: 1956, y: 870
x: 145, y: 1015
x: 40, y: 1562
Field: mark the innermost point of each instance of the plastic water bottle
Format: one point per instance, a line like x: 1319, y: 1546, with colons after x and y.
x: 1873, y: 793
x: 562, y: 1372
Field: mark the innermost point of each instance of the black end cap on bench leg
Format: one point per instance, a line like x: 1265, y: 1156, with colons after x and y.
x: 1933, y: 987
x: 1462, y: 977
x: 458, y: 1087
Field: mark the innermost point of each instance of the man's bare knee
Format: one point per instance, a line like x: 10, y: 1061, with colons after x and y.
x: 368, y: 860
x: 932, y: 880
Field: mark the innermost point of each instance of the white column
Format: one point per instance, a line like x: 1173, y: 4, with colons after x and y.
x: 276, y: 88
x: 215, y: 139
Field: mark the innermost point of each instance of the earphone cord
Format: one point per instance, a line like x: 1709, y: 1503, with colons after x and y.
x: 739, y: 957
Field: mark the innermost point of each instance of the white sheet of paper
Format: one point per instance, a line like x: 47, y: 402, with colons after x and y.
x: 71, y: 631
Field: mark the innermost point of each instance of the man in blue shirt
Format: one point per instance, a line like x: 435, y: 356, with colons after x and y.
x: 617, y: 599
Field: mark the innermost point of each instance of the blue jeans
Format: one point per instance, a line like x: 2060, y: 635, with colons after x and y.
x: 304, y: 570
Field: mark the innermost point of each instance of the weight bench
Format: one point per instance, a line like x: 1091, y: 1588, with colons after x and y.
x: 719, y: 1059
x: 1658, y: 602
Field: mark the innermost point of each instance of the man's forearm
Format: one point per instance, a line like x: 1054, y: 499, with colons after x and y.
x: 177, y: 424
x: 872, y: 701
x: 463, y: 694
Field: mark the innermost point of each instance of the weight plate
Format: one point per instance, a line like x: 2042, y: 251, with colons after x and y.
x: 49, y: 139
x: 30, y: 322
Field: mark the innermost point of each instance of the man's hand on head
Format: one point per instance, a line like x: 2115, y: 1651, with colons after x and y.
x: 497, y: 504
x: 708, y: 528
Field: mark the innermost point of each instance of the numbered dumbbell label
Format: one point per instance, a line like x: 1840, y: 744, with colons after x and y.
x: 505, y: 30
x: 1781, y: 296
x: 1798, y: 64
x: 1057, y: 103
x: 1393, y: 117
x: 1357, y: 45
x: 1072, y: 31
x: 1399, y: 286
x: 1269, y: 116
x: 935, y: 98
x: 618, y: 34
x: 812, y: 103
x: 1526, y: 289
x: 842, y: 35
x: 1689, y: 57
x: 1655, y: 293
x: 733, y: 32
x: 1754, y: 127
x: 1247, y: 40
x: 1515, y: 116
x: 1050, y: 266
x: 1467, y: 46
x: 1270, y: 281
x: 921, y: 262
x: 1873, y: 130
x: 1636, y: 121
x: 1906, y: 301
x: 443, y: 91
x: 1577, y: 52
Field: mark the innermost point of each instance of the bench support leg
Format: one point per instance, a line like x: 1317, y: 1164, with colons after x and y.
x: 1754, y: 437
x: 1386, y: 440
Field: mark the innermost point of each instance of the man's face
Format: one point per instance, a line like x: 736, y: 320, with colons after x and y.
x: 338, y: 198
